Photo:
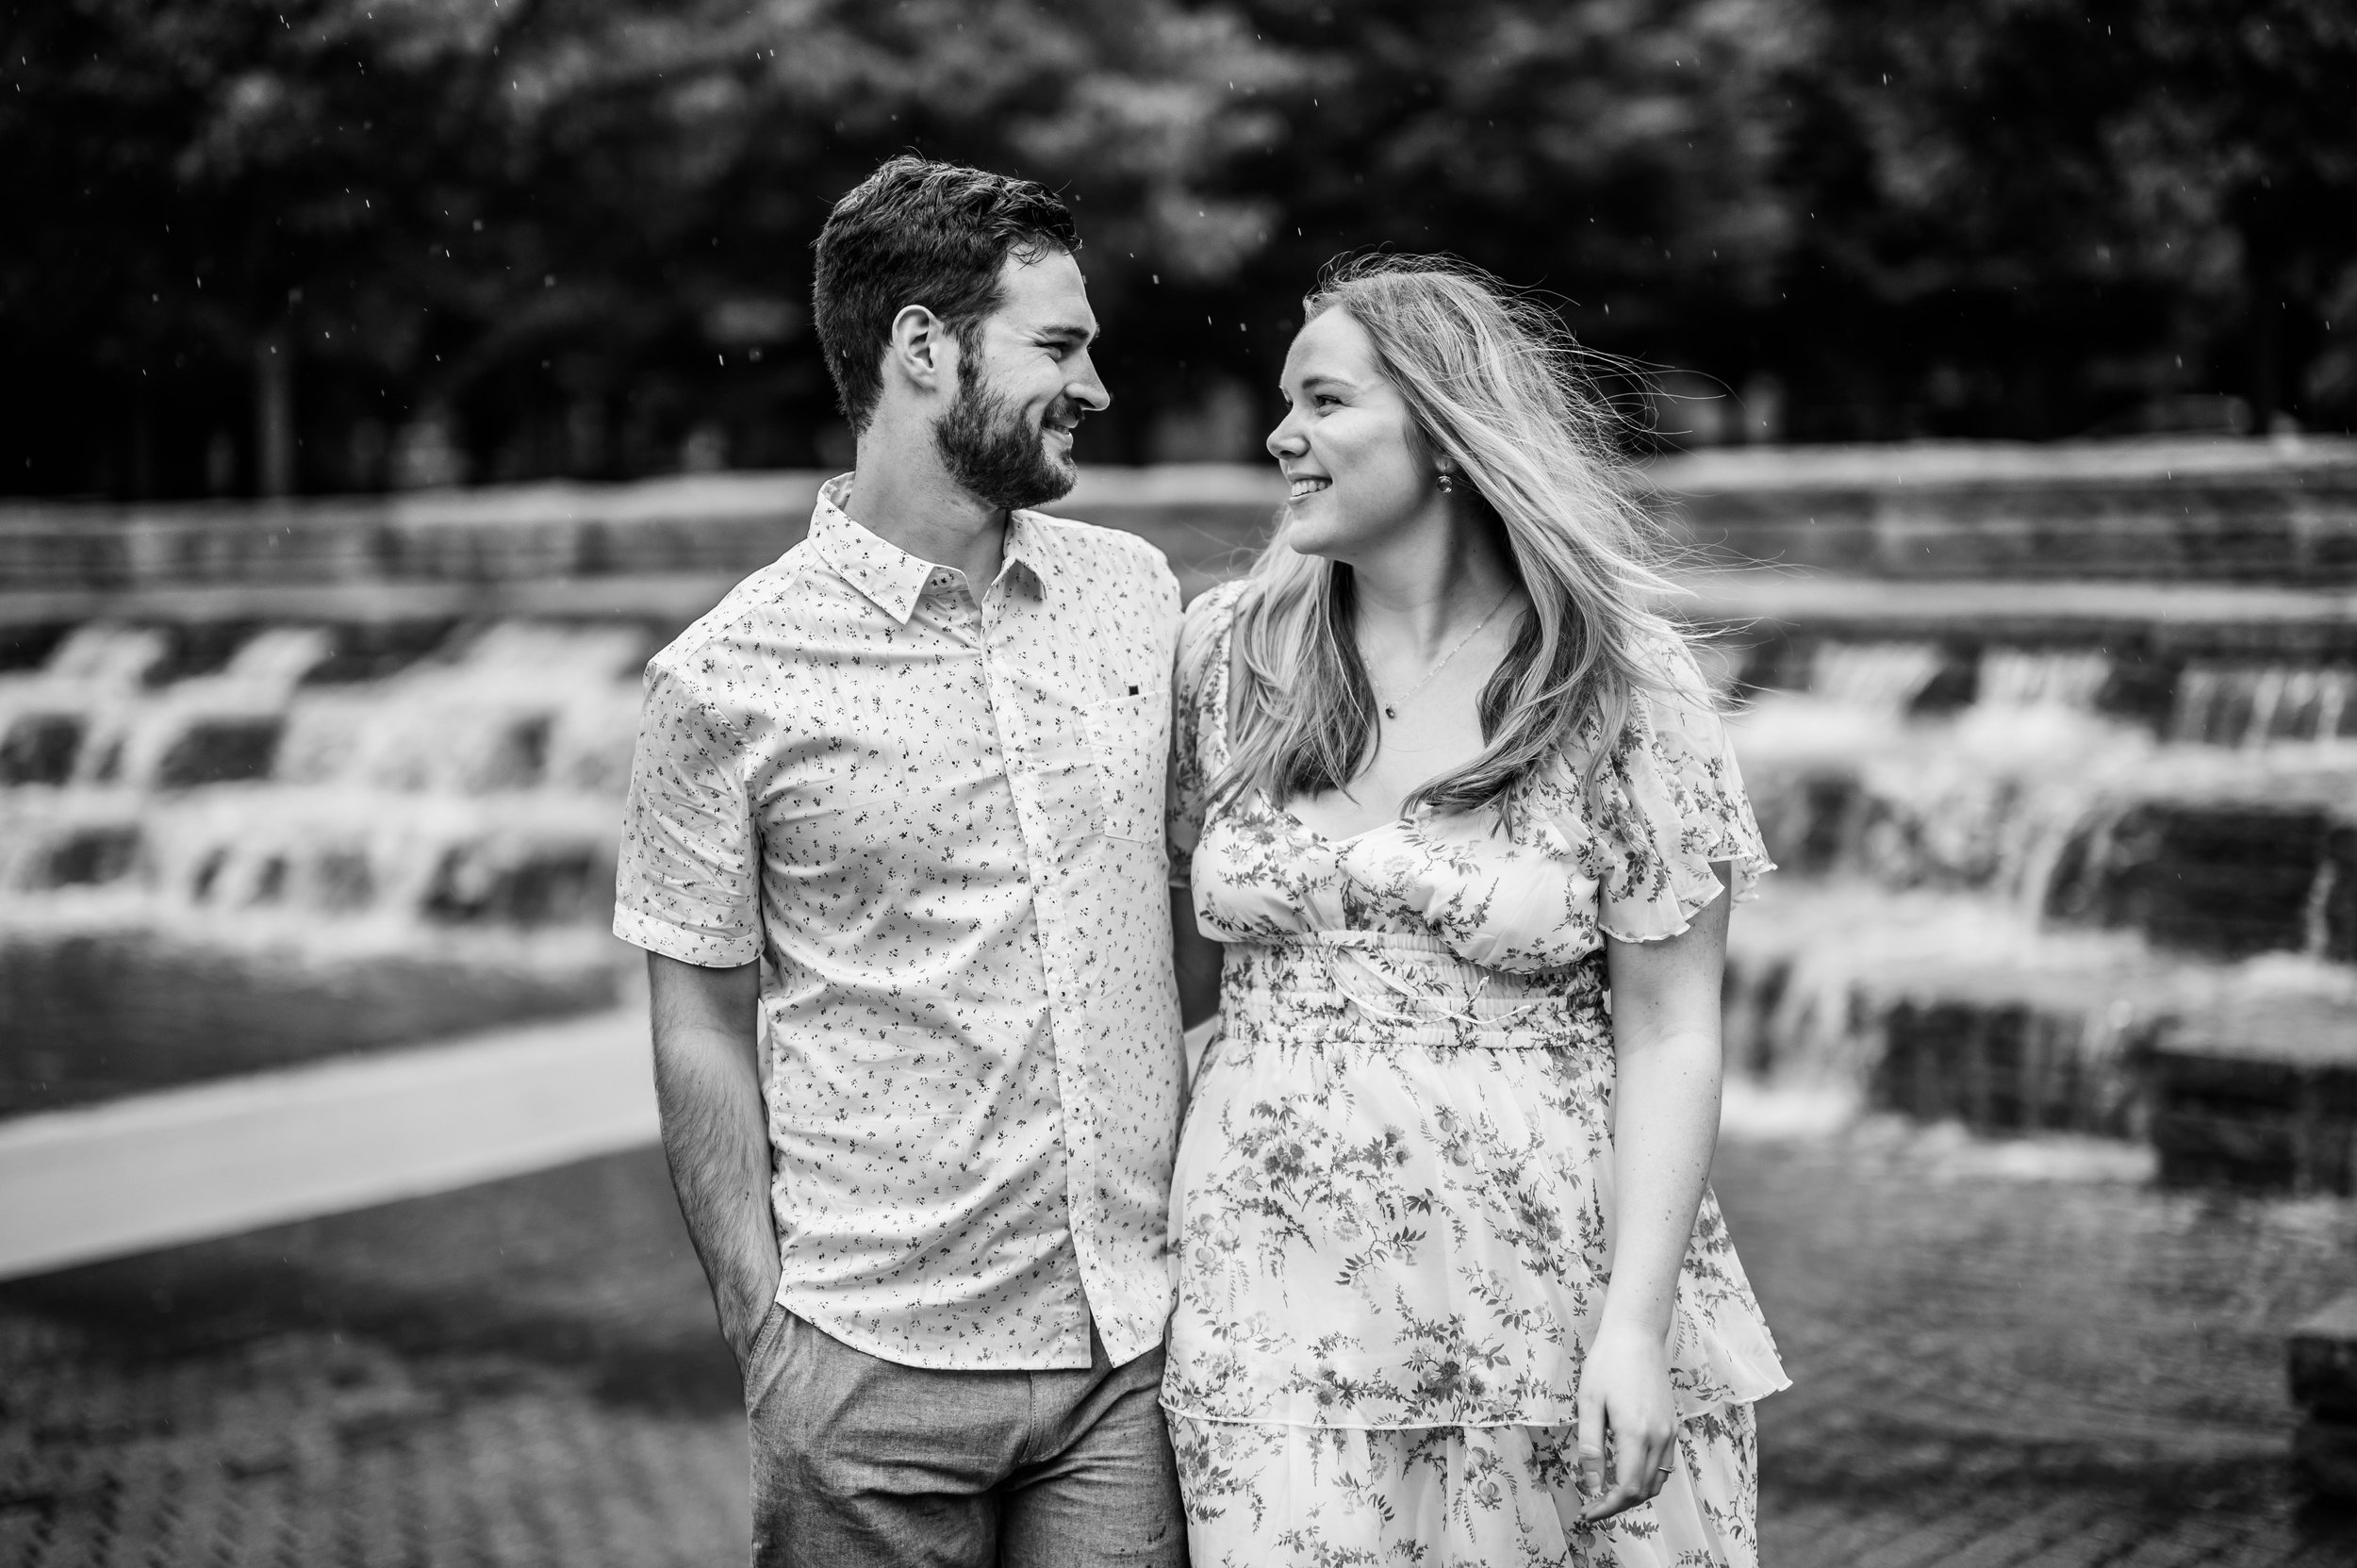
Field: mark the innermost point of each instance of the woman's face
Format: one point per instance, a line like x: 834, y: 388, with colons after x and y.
x: 1359, y: 477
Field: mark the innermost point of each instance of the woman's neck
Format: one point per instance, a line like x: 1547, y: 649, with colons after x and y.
x: 1423, y: 600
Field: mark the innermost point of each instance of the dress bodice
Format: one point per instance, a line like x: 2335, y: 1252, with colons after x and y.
x: 1628, y: 859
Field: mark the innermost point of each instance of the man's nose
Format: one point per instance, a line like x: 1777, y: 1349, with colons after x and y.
x: 1087, y: 389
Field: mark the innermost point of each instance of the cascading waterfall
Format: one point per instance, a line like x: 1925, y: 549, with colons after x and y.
x: 248, y: 788
x: 2257, y: 704
x: 254, y: 865
x: 1881, y: 677
x: 1999, y: 908
x: 2042, y: 677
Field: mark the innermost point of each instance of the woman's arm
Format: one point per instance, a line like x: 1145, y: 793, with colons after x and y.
x: 1665, y: 1113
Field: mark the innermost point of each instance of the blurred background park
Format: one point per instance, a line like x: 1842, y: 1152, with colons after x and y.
x: 389, y: 379
x: 351, y: 246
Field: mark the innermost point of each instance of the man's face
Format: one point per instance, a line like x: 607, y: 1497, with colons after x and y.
x: 1007, y: 435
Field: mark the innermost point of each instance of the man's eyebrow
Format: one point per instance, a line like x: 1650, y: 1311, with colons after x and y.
x: 1072, y: 334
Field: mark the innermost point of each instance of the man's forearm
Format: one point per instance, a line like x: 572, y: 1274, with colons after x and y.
x: 715, y: 1133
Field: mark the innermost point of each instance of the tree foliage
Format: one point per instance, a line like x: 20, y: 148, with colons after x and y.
x: 570, y: 237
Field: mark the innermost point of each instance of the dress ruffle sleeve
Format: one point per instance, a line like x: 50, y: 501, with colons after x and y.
x: 1198, y: 696
x: 1667, y: 805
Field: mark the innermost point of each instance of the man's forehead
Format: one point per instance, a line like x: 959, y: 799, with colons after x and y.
x: 1046, y: 293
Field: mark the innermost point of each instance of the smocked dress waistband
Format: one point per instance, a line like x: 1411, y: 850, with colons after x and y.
x: 1397, y: 989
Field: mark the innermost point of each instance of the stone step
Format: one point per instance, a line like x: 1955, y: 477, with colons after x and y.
x: 2264, y: 1095
x: 2221, y: 664
x: 2322, y: 1353
x: 2231, y: 877
x: 2182, y: 511
x: 70, y: 560
x: 1944, y: 1007
x: 2192, y: 512
x: 1779, y: 619
x: 1954, y: 1008
x: 2223, y: 853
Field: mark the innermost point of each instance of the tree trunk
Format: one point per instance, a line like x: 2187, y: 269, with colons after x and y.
x: 2263, y: 332
x: 273, y: 412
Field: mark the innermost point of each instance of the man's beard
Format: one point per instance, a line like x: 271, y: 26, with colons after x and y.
x: 995, y: 455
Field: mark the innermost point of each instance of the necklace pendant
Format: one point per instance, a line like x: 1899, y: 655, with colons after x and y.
x: 1389, y: 712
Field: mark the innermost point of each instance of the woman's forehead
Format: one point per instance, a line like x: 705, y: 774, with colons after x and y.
x: 1333, y: 345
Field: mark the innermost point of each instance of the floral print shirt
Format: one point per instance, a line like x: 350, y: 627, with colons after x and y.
x: 1393, y: 1201
x: 934, y: 813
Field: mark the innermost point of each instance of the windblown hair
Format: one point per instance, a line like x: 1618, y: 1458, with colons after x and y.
x: 1494, y: 382
x: 918, y: 232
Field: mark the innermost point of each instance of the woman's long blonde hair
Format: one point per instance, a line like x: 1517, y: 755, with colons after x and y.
x: 1496, y: 385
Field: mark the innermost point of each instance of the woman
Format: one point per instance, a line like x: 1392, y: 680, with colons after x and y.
x: 1452, y: 1288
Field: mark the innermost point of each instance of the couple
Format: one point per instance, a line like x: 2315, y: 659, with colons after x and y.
x: 1421, y: 1268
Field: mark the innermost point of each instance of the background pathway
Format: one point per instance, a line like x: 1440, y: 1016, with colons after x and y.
x: 2005, y: 1355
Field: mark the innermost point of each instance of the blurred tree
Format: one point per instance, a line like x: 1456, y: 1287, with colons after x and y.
x: 2022, y: 217
x: 424, y: 238
x: 1617, y: 153
x: 342, y: 243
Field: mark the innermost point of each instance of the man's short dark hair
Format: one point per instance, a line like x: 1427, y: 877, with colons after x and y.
x: 916, y: 232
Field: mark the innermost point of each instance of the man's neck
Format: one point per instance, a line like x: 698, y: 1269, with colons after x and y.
x: 903, y: 494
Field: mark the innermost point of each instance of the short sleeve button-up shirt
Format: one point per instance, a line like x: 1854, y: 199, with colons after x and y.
x: 936, y: 819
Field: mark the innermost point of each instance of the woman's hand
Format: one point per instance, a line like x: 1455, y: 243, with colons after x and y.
x: 1624, y: 1399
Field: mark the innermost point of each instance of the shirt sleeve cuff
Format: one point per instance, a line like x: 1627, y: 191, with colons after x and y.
x: 705, y: 948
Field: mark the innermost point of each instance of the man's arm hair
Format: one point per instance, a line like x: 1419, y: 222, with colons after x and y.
x: 716, y: 1134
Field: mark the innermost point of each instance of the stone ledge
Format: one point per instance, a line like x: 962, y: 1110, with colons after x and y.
x: 2216, y: 852
x: 2262, y: 1096
x: 2322, y: 1355
x: 2324, y: 1360
x: 1949, y: 1008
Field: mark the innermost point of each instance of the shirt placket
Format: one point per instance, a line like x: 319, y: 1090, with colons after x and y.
x: 1004, y: 638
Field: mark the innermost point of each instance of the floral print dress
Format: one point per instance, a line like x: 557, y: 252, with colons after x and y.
x: 1392, y: 1212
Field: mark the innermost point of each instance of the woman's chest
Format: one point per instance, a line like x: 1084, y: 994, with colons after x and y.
x: 1260, y: 872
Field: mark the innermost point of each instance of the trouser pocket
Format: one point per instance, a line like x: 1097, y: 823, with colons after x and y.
x: 761, y: 1360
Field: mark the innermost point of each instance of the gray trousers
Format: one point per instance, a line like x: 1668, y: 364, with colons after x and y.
x: 860, y: 1462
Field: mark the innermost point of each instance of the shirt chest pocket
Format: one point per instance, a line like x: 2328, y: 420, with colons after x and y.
x: 1128, y: 739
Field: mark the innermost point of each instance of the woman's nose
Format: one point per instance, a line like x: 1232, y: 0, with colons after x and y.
x: 1285, y: 441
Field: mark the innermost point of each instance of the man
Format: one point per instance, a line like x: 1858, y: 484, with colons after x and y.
x: 894, y: 849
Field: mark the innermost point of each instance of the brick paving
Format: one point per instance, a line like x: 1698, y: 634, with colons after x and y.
x: 2001, y: 1362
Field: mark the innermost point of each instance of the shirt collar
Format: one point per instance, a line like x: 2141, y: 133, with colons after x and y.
x: 892, y: 578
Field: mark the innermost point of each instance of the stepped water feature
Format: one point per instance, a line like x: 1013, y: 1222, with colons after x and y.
x: 2073, y: 853
x: 246, y: 865
x: 282, y: 783
x: 2058, y: 747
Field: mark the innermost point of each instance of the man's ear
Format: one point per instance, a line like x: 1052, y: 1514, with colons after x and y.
x: 921, y: 351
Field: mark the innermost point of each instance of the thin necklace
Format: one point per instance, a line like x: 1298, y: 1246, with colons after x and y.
x: 1391, y: 710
